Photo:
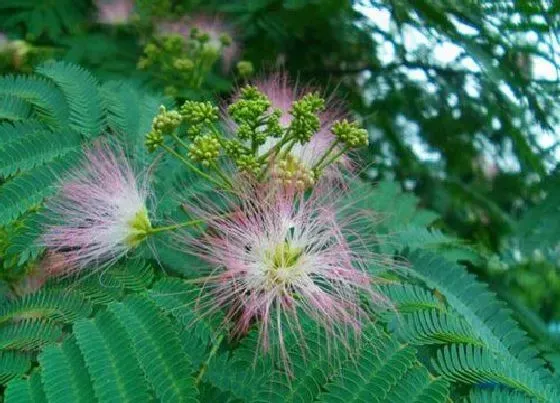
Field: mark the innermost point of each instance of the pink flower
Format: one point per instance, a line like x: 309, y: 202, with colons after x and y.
x: 277, y: 255
x: 214, y: 27
x: 51, y: 266
x: 114, y: 12
x: 99, y: 213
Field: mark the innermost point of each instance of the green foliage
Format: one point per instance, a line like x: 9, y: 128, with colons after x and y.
x: 139, y: 331
x: 43, y: 16
x: 386, y: 372
x: 28, y: 334
x: 158, y: 349
x: 26, y: 390
x: 82, y: 95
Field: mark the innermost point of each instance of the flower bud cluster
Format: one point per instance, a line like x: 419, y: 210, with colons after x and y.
x: 291, y: 173
x: 182, y: 61
x: 204, y: 149
x: 305, y: 121
x: 260, y: 138
x: 350, y: 134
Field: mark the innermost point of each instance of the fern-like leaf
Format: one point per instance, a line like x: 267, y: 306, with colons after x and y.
x: 471, y: 364
x: 12, y: 108
x: 35, y: 149
x: 28, y: 390
x: 158, y: 349
x: 81, y: 92
x: 433, y: 327
x: 49, y: 104
x: 418, y: 386
x: 58, y: 305
x: 480, y: 309
x: 406, y: 298
x: 64, y: 374
x: 13, y: 364
x: 28, y: 334
x: 115, y: 373
x: 382, y: 363
x: 27, y: 190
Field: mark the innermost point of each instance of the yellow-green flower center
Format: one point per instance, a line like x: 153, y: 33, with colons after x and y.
x: 282, y: 262
x: 140, y: 227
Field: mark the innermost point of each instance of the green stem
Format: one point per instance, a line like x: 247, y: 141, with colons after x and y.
x: 175, y: 226
x: 221, y: 174
x: 275, y: 149
x: 212, y: 353
x: 331, y: 159
x: 191, y: 166
x: 326, y: 154
x: 181, y: 142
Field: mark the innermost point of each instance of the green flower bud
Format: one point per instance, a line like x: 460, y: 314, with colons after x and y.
x: 225, y: 39
x: 250, y: 107
x: 273, y: 127
x: 245, y: 68
x: 289, y: 171
x: 183, y: 64
x: 195, y: 112
x: 194, y: 130
x: 173, y: 43
x: 211, y: 50
x: 153, y: 140
x: 350, y: 134
x: 204, y: 149
x: 234, y: 148
x: 305, y: 121
x: 166, y: 121
x: 248, y: 163
x: 244, y: 131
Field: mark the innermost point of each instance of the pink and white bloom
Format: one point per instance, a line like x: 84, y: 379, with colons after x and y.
x: 99, y: 212
x: 114, y: 12
x: 215, y: 27
x: 277, y: 255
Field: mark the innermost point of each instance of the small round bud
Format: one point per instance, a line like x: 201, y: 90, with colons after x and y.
x: 196, y: 113
x: 153, y: 140
x: 204, y: 149
x: 305, y: 121
x: 166, y: 121
x: 245, y: 68
x: 350, y: 134
x: 225, y: 39
x: 183, y: 64
x: 248, y: 163
x: 290, y: 172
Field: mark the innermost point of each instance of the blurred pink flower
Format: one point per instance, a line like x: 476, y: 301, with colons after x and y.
x: 214, y: 26
x: 114, y: 12
x: 99, y: 213
x: 277, y: 255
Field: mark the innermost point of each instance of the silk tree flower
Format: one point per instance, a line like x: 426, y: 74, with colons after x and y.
x: 114, y: 12
x: 275, y: 256
x: 99, y: 213
x: 220, y: 35
x: 282, y: 95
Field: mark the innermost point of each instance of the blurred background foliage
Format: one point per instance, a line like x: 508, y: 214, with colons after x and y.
x: 460, y: 99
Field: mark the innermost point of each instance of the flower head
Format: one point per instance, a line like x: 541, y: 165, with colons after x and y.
x: 303, y: 157
x: 218, y: 35
x: 277, y: 256
x: 99, y: 213
x: 114, y: 12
